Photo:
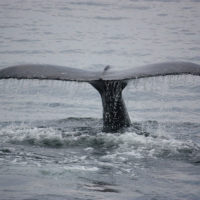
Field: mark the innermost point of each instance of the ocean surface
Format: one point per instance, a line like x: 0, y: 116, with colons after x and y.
x: 51, y: 142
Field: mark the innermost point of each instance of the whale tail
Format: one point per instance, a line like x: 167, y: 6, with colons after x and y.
x: 115, y: 115
x: 108, y: 83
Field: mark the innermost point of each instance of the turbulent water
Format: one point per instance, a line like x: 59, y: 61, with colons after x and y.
x: 52, y: 146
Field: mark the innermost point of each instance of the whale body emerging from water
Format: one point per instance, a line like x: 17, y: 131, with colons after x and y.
x: 109, y: 83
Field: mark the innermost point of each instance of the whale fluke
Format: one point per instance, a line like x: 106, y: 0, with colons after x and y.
x: 108, y: 83
x: 54, y: 72
x: 152, y: 70
x: 48, y: 72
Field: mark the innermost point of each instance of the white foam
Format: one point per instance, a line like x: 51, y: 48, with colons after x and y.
x: 81, y: 168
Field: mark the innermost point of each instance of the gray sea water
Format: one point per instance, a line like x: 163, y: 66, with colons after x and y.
x: 51, y: 143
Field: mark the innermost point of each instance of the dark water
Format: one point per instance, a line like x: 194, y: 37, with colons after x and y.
x: 52, y: 146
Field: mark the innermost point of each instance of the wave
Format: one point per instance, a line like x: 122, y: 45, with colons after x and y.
x: 144, y: 139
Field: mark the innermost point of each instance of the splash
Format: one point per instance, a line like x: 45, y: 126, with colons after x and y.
x: 129, y: 145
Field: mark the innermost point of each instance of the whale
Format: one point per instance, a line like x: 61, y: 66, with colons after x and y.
x: 109, y: 83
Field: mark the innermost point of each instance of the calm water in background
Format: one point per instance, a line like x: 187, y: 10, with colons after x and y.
x: 51, y: 144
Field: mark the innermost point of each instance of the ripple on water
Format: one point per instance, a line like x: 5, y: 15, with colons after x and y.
x: 119, y: 147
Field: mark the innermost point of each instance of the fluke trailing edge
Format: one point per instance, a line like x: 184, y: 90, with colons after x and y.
x: 108, y: 83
